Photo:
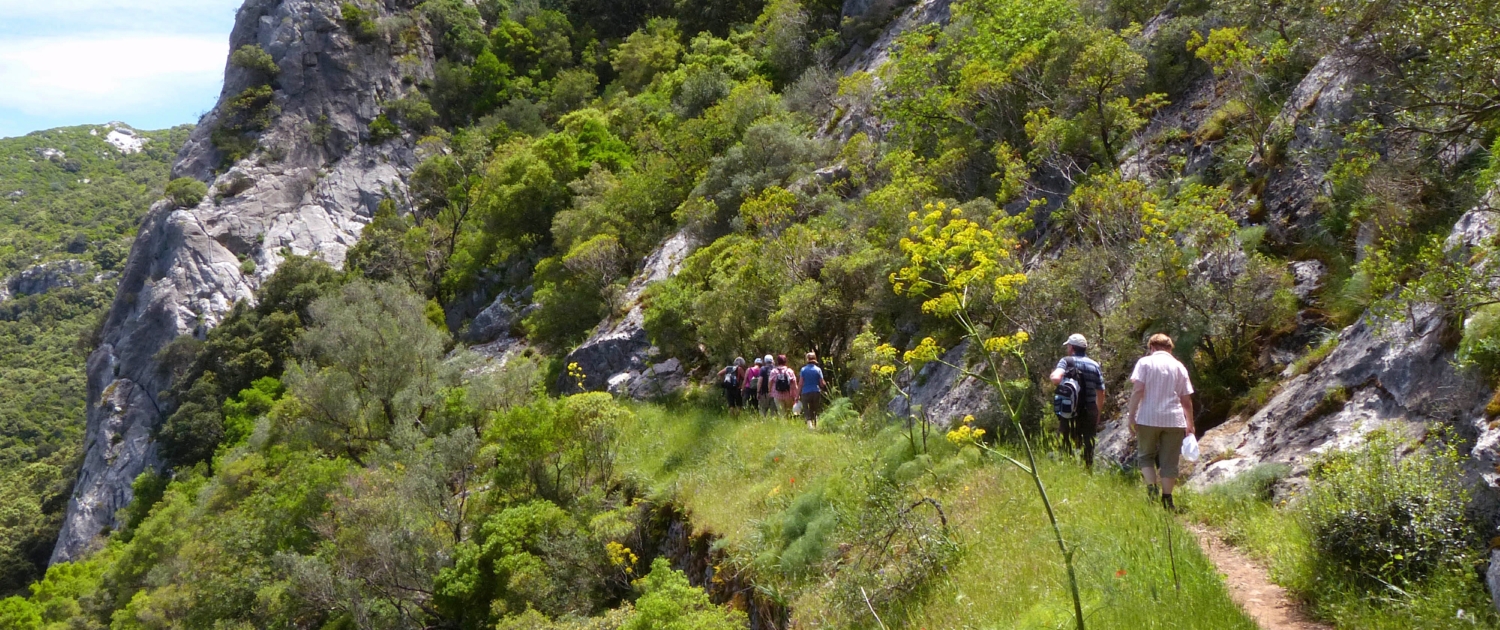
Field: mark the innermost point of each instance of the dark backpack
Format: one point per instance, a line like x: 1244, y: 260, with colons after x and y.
x: 732, y: 377
x: 783, y: 381
x: 1065, y: 399
x: 763, y: 381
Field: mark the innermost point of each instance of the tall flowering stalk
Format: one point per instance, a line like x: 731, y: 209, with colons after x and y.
x: 964, y: 268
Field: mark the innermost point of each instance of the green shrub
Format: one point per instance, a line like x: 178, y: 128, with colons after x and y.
x: 840, y: 415
x: 186, y: 192
x: 1378, y: 515
x: 241, y: 117
x: 412, y: 112
x: 1315, y: 357
x: 1334, y: 399
x: 19, y: 614
x: 382, y: 129
x: 359, y: 22
x: 1480, y: 347
x: 256, y: 60
x: 803, y: 533
x: 669, y: 602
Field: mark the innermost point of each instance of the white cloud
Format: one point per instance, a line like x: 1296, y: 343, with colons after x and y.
x: 99, y: 76
x: 41, y: 17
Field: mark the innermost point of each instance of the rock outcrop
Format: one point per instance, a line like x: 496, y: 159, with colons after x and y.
x: 47, y: 277
x: 1324, y: 99
x: 941, y: 394
x: 619, y: 357
x: 307, y: 188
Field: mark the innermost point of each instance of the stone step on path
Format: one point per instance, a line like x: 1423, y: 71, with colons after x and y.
x: 1250, y: 586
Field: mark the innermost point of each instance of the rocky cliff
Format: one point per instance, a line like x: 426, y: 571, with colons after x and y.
x: 308, y: 186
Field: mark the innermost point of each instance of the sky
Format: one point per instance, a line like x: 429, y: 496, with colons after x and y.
x: 151, y: 64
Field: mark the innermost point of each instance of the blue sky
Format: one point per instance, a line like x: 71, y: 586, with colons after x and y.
x: 149, y: 63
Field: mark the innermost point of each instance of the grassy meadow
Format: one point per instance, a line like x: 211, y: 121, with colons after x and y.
x: 749, y: 479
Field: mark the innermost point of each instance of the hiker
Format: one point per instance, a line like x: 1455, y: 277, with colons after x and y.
x: 1080, y: 403
x: 1161, y: 416
x: 763, y: 386
x: 730, y: 378
x: 813, y: 388
x: 748, y: 383
x: 784, y: 386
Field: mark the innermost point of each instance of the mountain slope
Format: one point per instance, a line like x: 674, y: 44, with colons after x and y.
x: 672, y: 193
x: 71, y: 202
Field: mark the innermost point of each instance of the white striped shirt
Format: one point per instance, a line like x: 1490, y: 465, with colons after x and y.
x: 1166, y: 381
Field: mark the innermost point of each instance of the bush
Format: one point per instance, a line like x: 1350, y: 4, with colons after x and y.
x: 186, y: 192
x: 382, y: 129
x: 1378, y: 515
x: 361, y: 26
x: 19, y: 614
x: 248, y: 113
x: 669, y: 602
x: 256, y: 60
x: 1480, y: 347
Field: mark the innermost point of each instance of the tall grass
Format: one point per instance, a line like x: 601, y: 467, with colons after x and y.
x: 753, y: 480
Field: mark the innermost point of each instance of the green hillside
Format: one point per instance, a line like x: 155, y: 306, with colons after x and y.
x: 65, y: 194
x: 1024, y: 170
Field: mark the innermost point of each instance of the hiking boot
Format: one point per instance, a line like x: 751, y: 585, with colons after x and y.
x: 1166, y: 502
x: 1153, y: 493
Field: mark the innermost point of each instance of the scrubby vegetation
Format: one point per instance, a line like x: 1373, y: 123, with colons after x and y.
x: 65, y: 194
x: 429, y: 488
x: 1011, y: 176
x: 1380, y: 538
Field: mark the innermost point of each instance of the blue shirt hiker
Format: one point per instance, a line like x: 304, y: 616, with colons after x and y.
x: 812, y: 379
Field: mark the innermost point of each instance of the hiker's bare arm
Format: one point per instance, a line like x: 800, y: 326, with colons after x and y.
x: 1187, y: 411
x: 1136, y: 394
x: 1057, y: 376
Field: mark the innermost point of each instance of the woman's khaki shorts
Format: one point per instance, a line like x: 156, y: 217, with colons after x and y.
x: 1159, y: 448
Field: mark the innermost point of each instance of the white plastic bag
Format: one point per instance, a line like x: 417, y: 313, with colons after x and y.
x: 797, y: 408
x: 1190, y: 450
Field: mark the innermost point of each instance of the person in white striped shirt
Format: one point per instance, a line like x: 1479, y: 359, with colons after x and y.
x: 1161, y: 415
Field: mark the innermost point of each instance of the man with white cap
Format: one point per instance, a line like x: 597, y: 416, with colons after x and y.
x: 1079, y: 429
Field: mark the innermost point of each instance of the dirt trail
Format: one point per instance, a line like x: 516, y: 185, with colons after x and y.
x: 1251, y: 587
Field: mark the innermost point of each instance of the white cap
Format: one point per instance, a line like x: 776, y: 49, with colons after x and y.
x: 759, y: 360
x: 1077, y: 341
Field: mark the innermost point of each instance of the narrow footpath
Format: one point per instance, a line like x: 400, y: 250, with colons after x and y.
x: 1251, y: 587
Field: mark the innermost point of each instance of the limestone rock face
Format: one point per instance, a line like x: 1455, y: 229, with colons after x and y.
x: 1324, y: 98
x: 619, y: 357
x: 308, y: 188
x: 941, y: 394
x: 46, y: 277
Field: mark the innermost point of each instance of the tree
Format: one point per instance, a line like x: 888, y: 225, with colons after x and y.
x: 370, y: 360
x: 647, y: 52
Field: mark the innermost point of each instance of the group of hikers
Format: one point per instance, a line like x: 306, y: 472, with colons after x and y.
x: 1159, y: 415
x: 772, y: 387
x: 1160, y: 412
